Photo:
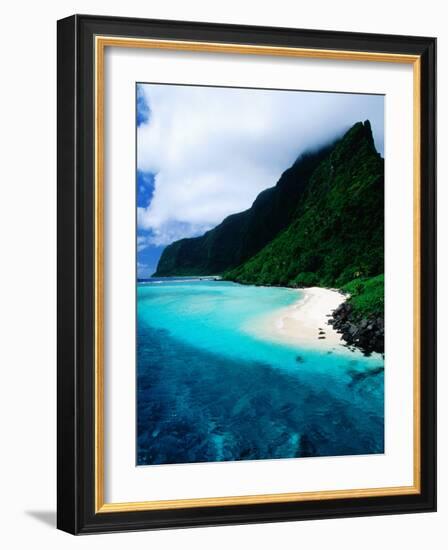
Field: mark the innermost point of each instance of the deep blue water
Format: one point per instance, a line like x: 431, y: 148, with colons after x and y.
x: 207, y: 390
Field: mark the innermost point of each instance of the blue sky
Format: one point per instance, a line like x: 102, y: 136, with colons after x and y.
x: 206, y: 152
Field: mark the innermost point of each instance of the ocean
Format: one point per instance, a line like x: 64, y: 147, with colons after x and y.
x: 209, y: 389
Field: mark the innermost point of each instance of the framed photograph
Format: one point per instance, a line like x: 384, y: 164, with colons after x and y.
x: 246, y: 274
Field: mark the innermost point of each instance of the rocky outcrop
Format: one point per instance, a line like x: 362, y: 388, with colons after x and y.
x: 366, y: 334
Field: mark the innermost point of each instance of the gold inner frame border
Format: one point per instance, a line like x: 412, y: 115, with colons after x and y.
x: 100, y: 44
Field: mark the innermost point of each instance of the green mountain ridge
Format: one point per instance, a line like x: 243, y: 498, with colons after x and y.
x: 240, y: 236
x: 337, y: 233
x: 322, y: 224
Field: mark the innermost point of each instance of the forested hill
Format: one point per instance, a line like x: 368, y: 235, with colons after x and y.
x: 322, y: 224
x: 240, y: 236
x: 337, y: 232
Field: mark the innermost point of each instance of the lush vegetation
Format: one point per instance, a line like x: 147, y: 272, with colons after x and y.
x: 240, y: 236
x: 366, y: 296
x: 337, y: 233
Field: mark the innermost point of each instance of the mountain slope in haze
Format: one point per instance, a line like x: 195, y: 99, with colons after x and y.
x: 240, y: 236
x: 337, y: 231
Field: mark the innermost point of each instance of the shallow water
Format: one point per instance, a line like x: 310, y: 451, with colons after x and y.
x: 207, y: 390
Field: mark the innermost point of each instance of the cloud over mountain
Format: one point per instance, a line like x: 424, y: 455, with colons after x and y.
x: 212, y: 150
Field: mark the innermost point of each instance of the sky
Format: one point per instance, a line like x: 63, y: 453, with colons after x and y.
x: 206, y: 152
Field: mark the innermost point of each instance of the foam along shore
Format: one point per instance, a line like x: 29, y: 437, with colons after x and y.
x: 305, y: 323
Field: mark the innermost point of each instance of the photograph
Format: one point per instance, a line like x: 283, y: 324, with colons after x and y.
x: 259, y: 274
x: 246, y: 269
x: 224, y: 222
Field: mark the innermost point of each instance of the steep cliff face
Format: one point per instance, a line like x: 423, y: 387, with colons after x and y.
x: 337, y: 231
x: 322, y: 224
x: 240, y: 236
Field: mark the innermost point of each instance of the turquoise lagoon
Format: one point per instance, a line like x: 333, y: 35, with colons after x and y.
x: 209, y: 390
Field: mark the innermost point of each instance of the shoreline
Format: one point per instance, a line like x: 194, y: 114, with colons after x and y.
x: 321, y: 319
x: 305, y: 323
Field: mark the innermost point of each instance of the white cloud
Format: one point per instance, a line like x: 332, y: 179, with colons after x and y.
x: 214, y: 149
x: 143, y: 241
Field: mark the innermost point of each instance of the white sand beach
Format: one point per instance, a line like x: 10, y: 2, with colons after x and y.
x: 305, y: 323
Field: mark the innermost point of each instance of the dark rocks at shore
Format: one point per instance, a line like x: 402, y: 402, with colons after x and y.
x: 367, y: 334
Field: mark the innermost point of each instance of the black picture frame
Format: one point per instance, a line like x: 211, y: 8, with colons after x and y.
x: 76, y: 286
